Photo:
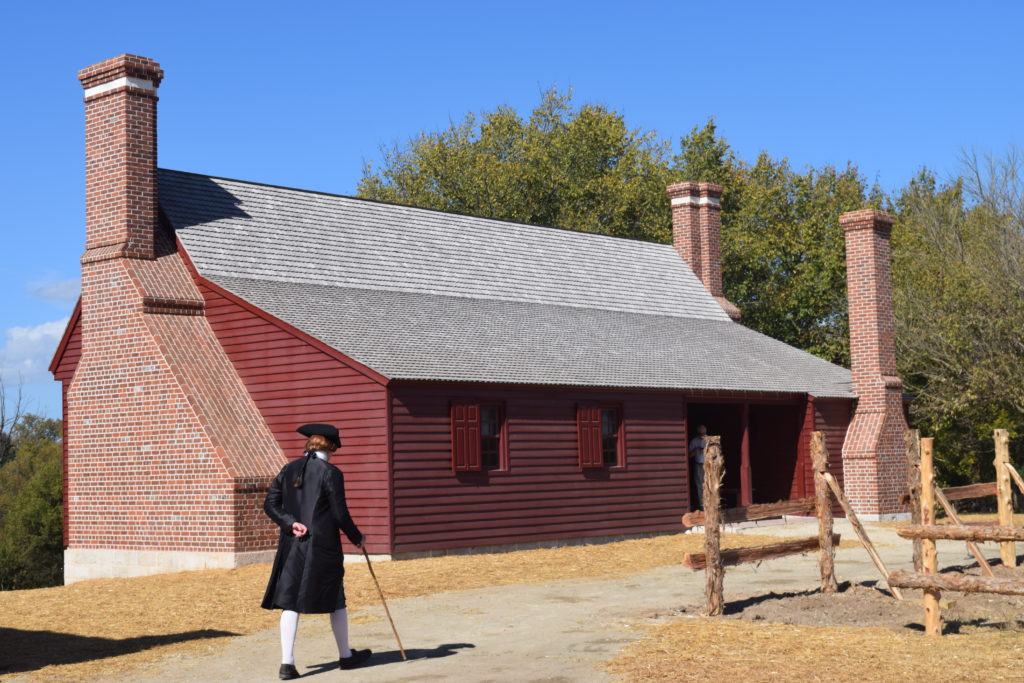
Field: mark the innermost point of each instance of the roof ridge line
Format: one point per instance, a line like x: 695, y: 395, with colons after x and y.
x: 414, y: 208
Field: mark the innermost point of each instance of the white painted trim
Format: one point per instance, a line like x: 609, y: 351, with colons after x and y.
x: 142, y: 83
x: 699, y: 201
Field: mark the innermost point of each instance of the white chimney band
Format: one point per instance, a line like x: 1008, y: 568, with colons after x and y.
x: 142, y: 83
x: 699, y: 201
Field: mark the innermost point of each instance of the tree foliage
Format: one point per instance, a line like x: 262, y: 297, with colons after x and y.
x: 578, y: 168
x: 959, y: 295
x: 782, y: 247
x: 957, y: 248
x: 31, y: 543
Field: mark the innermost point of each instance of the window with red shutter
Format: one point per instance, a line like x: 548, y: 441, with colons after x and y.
x: 478, y: 437
x: 600, y: 435
x: 465, y: 437
x: 588, y: 423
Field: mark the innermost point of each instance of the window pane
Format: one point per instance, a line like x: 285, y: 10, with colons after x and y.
x: 489, y: 458
x: 610, y: 450
x: 489, y: 422
x: 609, y: 422
x: 610, y: 437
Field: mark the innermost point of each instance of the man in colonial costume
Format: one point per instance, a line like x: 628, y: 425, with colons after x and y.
x: 307, y: 500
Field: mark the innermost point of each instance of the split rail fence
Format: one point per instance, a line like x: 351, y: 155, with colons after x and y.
x: 924, y: 532
x: 714, y: 560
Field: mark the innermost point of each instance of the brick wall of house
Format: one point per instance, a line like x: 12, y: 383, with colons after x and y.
x: 167, y: 457
x: 873, y: 459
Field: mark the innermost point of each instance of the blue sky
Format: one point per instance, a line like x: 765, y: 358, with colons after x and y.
x: 302, y: 94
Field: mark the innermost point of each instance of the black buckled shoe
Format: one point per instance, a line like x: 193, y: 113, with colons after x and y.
x: 287, y: 672
x: 357, y: 659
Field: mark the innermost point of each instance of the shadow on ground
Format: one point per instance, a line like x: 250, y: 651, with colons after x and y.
x: 22, y: 651
x: 394, y: 656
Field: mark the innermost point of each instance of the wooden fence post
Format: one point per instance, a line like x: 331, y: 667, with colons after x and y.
x: 913, y: 440
x: 713, y: 472
x: 1004, y: 494
x: 932, y: 617
x: 826, y: 551
x: 862, y: 534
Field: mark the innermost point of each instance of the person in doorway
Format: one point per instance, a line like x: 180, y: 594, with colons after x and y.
x: 697, y: 445
x: 307, y: 500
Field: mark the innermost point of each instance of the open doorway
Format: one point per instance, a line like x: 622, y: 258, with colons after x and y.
x: 772, y: 436
x: 724, y: 420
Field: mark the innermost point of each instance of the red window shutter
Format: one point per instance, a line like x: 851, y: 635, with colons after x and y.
x: 588, y: 422
x: 465, y: 437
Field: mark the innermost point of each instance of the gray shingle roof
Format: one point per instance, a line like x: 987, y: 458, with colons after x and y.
x: 418, y: 294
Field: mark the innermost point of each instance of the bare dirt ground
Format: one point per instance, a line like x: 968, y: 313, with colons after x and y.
x: 619, y: 612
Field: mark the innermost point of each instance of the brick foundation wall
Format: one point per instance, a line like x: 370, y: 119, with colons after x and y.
x: 873, y: 459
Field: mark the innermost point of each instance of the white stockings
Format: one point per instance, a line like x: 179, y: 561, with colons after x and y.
x: 289, y: 625
x: 339, y: 624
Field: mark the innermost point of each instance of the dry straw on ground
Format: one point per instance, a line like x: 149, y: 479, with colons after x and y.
x: 721, y: 650
x: 102, y: 626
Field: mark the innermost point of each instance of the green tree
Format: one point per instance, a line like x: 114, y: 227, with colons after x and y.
x: 31, y: 543
x: 958, y: 253
x: 578, y: 168
x: 783, y: 255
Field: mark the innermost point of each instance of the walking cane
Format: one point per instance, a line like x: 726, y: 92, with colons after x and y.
x: 385, y: 603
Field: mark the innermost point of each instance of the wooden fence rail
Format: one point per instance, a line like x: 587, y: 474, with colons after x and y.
x: 925, y: 531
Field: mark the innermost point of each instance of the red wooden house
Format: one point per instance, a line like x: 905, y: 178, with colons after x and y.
x: 495, y: 383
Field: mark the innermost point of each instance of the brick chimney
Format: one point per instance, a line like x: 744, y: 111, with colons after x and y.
x: 873, y: 457
x: 696, y: 235
x: 120, y: 155
x: 167, y: 456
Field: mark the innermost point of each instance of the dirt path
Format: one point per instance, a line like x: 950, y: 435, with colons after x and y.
x: 556, y: 631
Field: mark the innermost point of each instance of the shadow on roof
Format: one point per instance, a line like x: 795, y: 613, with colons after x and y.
x: 190, y: 200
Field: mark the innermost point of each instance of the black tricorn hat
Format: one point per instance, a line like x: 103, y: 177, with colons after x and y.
x: 328, y: 431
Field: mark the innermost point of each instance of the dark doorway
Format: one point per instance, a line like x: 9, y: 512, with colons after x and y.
x: 774, y: 447
x: 773, y: 433
x: 724, y: 420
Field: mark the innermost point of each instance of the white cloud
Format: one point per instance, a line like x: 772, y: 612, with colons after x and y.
x: 27, y: 351
x: 63, y: 291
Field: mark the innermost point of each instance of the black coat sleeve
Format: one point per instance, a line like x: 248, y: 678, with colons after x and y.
x: 273, y: 505
x: 339, y: 509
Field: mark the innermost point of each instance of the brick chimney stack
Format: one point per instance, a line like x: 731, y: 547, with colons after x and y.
x: 167, y: 456
x: 696, y: 234
x: 873, y: 458
x: 120, y: 155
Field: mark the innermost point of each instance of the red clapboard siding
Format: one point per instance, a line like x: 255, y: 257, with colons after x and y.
x: 544, y: 494
x: 833, y: 418
x: 293, y: 382
x: 65, y: 362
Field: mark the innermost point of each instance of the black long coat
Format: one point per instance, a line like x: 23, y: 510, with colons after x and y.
x: 308, y: 571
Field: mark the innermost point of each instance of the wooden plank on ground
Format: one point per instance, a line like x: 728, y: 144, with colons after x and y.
x: 946, y: 532
x: 962, y: 583
x: 698, y: 561
x: 752, y: 513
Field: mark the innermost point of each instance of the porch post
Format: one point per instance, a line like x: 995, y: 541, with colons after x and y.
x: 746, y: 497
